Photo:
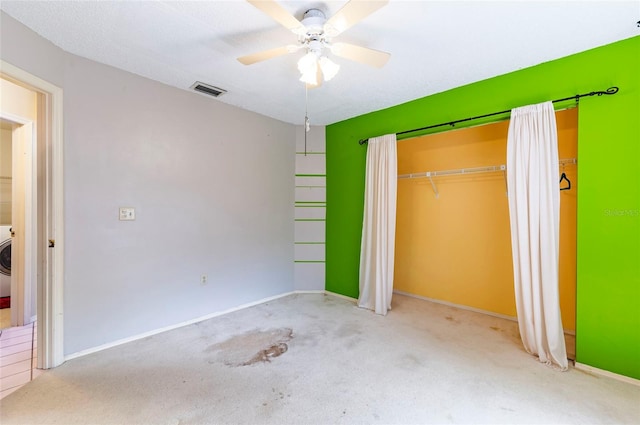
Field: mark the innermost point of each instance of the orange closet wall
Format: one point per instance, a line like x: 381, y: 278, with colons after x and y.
x: 457, y: 247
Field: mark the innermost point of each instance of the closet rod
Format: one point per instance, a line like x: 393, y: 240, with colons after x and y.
x: 489, y: 169
x: 610, y: 90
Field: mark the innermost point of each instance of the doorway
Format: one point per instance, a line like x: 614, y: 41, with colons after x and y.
x: 17, y: 136
x: 6, y: 182
x: 41, y: 253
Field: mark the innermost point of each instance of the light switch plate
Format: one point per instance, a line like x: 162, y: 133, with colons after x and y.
x: 127, y: 213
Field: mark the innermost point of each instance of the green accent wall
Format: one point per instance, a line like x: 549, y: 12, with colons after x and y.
x: 608, y: 286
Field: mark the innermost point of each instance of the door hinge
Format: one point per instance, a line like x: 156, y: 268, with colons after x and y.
x: 52, y: 243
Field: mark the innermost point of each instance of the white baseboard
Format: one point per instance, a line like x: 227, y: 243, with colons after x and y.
x: 172, y: 327
x: 310, y: 291
x: 355, y: 300
x: 465, y: 307
x: 601, y: 372
x: 192, y: 321
x: 262, y: 301
x: 460, y: 306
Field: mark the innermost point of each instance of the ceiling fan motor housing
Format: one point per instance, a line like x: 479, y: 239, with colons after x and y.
x: 314, y: 38
x: 314, y: 20
x: 315, y: 45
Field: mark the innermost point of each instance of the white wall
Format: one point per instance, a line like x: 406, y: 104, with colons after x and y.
x: 212, y: 186
x: 310, y: 212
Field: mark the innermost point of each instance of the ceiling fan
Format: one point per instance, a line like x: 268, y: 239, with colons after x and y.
x: 314, y: 33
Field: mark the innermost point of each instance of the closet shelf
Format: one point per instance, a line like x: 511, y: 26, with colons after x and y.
x: 489, y: 169
x: 474, y: 170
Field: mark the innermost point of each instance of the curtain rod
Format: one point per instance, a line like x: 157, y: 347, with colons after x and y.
x: 610, y: 90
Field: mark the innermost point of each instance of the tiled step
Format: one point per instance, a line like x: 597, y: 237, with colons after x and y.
x: 17, y: 358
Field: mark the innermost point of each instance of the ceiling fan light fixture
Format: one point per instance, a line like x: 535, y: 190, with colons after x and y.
x: 308, y: 63
x: 310, y: 78
x: 308, y: 67
x: 329, y: 68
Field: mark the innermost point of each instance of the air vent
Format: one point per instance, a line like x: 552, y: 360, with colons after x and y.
x: 207, y: 89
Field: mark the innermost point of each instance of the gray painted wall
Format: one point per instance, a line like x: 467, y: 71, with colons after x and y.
x: 212, y: 185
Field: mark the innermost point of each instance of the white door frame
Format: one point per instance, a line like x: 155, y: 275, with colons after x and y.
x: 23, y: 270
x: 50, y: 337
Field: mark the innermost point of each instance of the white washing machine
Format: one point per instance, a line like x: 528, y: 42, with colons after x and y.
x: 5, y: 261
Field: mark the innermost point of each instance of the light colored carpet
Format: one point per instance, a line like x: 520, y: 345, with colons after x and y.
x: 318, y: 359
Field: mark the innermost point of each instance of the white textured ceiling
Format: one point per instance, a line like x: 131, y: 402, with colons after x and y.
x: 434, y: 46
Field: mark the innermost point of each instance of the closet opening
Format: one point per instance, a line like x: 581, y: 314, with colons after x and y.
x: 453, y: 241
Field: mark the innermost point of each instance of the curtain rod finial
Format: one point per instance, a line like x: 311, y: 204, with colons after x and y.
x: 612, y: 90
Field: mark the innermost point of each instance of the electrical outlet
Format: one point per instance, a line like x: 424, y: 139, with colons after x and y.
x: 127, y: 213
x: 203, y: 279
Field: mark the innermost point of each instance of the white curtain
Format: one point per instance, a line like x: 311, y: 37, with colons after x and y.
x: 534, y: 210
x: 379, y: 225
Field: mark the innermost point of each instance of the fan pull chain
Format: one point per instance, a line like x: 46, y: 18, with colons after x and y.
x: 306, y: 117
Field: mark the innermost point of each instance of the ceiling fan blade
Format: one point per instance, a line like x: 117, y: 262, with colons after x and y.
x: 371, y: 57
x: 279, y: 14
x: 264, y: 55
x: 350, y: 14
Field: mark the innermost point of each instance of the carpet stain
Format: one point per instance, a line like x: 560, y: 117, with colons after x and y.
x: 410, y: 361
x: 266, y: 354
x: 348, y: 330
x: 258, y: 346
